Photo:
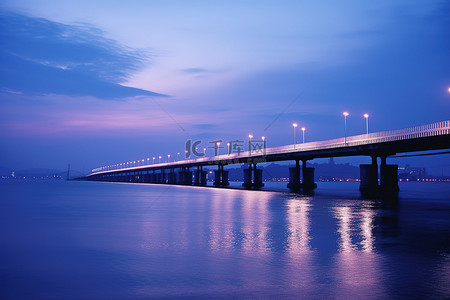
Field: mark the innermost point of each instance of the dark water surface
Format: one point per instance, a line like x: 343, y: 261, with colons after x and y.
x: 92, y: 240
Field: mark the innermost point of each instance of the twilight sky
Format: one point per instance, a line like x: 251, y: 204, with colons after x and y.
x: 99, y: 82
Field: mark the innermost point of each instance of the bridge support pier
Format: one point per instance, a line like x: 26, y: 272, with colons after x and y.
x: 368, y: 175
x: 171, y: 177
x: 388, y: 178
x: 151, y: 177
x: 308, y: 183
x: 185, y: 176
x: 200, y: 176
x: 248, y: 177
x: 221, y: 177
x: 257, y: 177
x: 294, y: 177
x: 252, y: 177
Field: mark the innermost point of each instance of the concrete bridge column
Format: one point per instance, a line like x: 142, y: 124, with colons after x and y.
x: 180, y: 176
x: 248, y: 182
x: 171, y: 177
x: 163, y: 176
x: 185, y: 176
x: 308, y: 177
x: 221, y: 177
x: 200, y: 176
x: 197, y: 176
x: 148, y: 177
x: 388, y: 178
x: 368, y: 175
x: 257, y: 177
x: 151, y: 177
x: 159, y: 176
x: 294, y: 176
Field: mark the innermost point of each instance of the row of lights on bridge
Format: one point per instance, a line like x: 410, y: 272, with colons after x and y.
x: 250, y: 136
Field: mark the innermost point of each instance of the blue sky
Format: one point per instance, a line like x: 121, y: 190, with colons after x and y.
x: 97, y: 82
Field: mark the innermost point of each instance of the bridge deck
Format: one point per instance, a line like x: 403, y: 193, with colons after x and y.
x: 419, y: 138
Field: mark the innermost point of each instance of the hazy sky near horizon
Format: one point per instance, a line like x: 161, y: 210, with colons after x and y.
x: 99, y: 82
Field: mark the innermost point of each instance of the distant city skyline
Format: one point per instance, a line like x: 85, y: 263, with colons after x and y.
x: 96, y: 82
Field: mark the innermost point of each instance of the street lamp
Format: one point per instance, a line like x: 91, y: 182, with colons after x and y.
x: 178, y: 154
x: 153, y: 162
x: 168, y: 158
x: 159, y: 159
x: 345, y: 126
x: 228, y: 148
x: 204, y: 151
x: 366, y: 116
x: 303, y: 130
x: 148, y: 160
x: 295, y: 126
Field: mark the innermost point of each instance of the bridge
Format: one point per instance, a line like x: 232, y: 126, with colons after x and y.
x: 373, y: 178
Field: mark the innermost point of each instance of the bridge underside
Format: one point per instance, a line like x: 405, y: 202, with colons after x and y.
x: 373, y: 178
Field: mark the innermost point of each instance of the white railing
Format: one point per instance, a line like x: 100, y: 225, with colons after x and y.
x: 434, y: 129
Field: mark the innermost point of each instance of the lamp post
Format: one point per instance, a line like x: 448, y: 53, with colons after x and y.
x: 366, y: 116
x: 153, y: 160
x: 345, y: 126
x: 168, y: 158
x: 303, y: 131
x: 218, y: 148
x: 228, y: 148
x: 178, y: 154
x: 250, y: 136
x: 295, y: 126
x: 159, y: 159
x: 204, y: 151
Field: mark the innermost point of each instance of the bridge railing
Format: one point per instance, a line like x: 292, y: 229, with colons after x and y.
x: 439, y: 128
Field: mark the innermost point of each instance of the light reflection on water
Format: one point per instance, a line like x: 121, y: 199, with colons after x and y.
x: 103, y: 240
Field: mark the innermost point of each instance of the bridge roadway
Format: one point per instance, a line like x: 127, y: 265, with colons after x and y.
x: 381, y: 145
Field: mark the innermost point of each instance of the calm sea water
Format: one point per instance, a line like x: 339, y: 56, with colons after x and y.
x: 93, y: 240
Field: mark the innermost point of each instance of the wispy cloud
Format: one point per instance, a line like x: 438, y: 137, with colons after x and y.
x: 39, y: 56
x: 194, y: 71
